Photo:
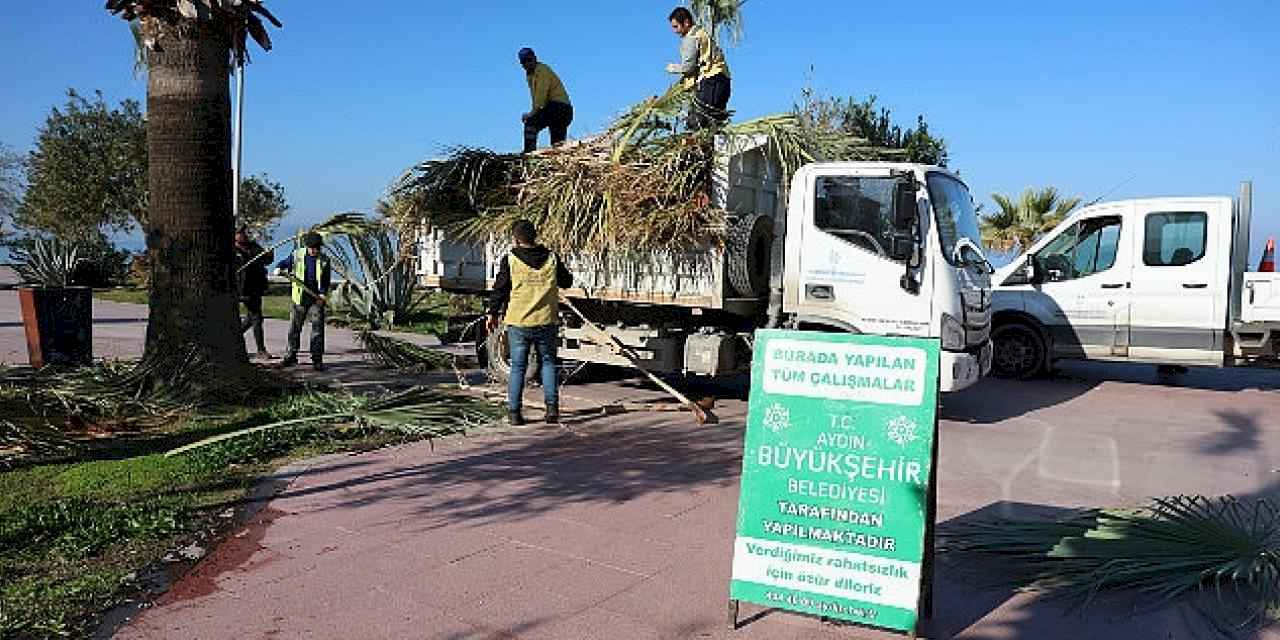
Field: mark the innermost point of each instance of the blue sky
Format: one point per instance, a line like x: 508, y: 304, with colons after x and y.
x: 1176, y: 98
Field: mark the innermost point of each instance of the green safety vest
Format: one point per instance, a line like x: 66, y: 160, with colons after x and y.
x: 300, y: 272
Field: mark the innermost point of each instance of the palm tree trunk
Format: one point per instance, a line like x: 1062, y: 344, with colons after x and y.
x: 190, y: 227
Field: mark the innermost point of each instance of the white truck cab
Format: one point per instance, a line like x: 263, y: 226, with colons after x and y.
x: 1157, y: 280
x: 848, y: 267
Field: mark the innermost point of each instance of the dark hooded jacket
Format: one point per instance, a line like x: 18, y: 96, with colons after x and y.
x: 535, y: 257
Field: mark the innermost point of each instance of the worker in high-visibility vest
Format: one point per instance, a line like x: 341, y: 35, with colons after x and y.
x: 312, y: 276
x: 526, y: 297
x: 550, y: 106
x: 703, y: 68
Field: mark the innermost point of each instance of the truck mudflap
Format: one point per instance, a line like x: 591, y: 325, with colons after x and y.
x: 960, y: 370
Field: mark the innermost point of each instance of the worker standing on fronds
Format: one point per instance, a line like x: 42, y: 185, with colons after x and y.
x: 526, y: 295
x: 311, y: 275
x: 702, y: 67
x: 550, y: 102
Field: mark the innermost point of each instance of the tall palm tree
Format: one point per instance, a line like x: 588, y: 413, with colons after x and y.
x: 1017, y: 225
x: 190, y: 46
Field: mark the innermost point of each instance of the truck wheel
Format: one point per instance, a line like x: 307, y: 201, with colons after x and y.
x: 750, y: 251
x: 1019, y: 351
x: 498, y: 355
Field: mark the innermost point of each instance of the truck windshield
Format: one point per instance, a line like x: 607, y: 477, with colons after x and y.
x: 957, y: 219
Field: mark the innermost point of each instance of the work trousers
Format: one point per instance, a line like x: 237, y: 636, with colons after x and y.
x: 710, y: 101
x: 556, y: 116
x: 544, y: 340
x: 253, y: 320
x: 308, y: 311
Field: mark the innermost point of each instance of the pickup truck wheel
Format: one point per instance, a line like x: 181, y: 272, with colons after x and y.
x: 1019, y: 351
x: 750, y: 248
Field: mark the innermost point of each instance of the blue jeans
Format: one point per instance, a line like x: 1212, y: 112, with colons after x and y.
x: 544, y: 340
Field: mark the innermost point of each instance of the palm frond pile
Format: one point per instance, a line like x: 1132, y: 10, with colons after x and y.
x: 1173, y: 547
x: 417, y: 412
x: 643, y: 184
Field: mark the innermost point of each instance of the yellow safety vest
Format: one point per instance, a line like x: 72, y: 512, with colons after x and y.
x: 711, y: 60
x: 535, y: 296
x: 300, y: 272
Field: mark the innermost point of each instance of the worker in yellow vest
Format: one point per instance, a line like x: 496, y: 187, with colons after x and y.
x: 703, y: 68
x: 526, y: 296
x: 311, y: 276
x: 551, y: 108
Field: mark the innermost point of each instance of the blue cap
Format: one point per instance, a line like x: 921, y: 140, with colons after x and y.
x: 527, y: 54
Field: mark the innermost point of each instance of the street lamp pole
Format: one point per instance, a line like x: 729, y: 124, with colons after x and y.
x: 239, y: 139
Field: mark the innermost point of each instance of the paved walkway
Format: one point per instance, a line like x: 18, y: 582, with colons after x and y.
x: 622, y: 527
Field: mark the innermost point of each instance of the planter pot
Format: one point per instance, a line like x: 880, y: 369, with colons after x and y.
x: 59, y: 325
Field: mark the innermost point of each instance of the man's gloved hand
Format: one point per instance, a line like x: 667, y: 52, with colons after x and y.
x: 673, y: 68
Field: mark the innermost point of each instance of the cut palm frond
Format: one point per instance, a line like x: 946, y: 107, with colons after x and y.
x: 394, y: 353
x: 644, y: 185
x: 418, y: 412
x: 1173, y: 547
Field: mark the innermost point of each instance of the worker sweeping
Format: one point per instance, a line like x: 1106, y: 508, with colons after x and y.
x: 702, y: 66
x: 312, y: 275
x: 551, y: 108
x: 527, y: 294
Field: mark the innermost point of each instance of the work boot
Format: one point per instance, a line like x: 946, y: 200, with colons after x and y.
x: 553, y: 414
x: 515, y: 419
x: 289, y: 360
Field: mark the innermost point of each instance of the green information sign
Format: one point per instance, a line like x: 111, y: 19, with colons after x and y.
x: 835, y: 476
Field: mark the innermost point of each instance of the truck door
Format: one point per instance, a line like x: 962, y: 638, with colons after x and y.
x: 847, y: 277
x: 1177, y: 316
x: 1083, y: 290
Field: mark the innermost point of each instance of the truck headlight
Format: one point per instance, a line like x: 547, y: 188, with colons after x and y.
x: 952, y: 334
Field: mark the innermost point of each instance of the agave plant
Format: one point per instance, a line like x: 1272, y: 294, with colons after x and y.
x: 48, y: 262
x: 380, y: 286
x: 419, y: 412
x: 1170, y: 548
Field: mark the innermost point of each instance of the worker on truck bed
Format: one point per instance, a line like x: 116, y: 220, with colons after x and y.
x: 528, y: 290
x: 702, y: 66
x: 551, y: 108
x: 310, y: 271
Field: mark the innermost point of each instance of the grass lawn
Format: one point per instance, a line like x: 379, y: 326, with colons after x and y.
x: 74, y: 532
x: 431, y: 317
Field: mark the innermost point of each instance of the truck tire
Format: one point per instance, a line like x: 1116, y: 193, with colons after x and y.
x: 498, y: 358
x: 1020, y: 351
x: 750, y: 255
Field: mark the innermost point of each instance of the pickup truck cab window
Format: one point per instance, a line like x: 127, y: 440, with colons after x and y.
x: 1087, y: 247
x: 858, y: 210
x: 1175, y: 239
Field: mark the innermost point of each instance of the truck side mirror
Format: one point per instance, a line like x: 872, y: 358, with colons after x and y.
x: 902, y: 246
x: 904, y: 205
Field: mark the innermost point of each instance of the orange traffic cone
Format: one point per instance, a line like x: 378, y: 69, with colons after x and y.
x: 1268, y: 263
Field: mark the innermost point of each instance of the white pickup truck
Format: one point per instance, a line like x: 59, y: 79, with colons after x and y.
x: 861, y: 247
x: 1159, y: 281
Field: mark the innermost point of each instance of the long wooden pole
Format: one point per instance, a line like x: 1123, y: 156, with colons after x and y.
x: 608, y: 340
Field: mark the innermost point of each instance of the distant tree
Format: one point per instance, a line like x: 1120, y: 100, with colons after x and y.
x: 1018, y: 224
x: 262, y: 205
x: 11, y: 165
x: 865, y: 119
x: 88, y: 171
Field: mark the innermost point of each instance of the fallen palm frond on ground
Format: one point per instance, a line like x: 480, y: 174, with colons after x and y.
x: 394, y: 353
x: 643, y: 185
x: 1171, y: 548
x: 418, y: 412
